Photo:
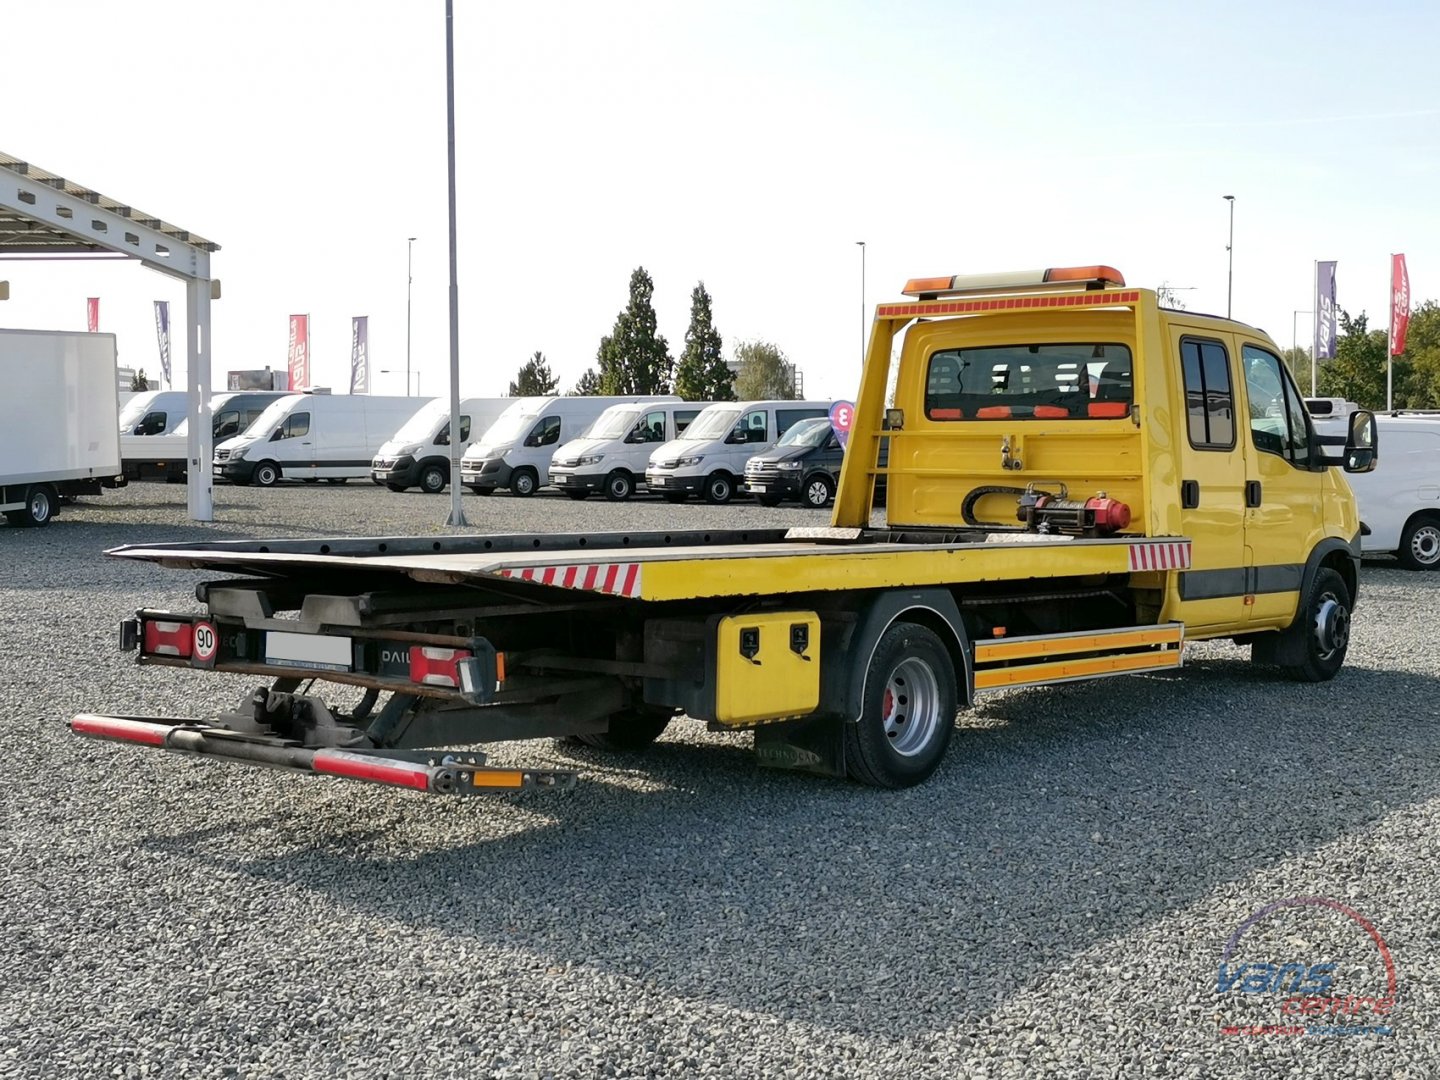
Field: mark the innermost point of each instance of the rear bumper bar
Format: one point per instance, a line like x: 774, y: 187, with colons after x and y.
x: 436, y: 773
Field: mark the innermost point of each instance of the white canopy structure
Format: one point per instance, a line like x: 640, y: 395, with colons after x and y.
x: 44, y: 216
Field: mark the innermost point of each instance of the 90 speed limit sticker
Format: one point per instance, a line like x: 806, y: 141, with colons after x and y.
x: 207, y: 643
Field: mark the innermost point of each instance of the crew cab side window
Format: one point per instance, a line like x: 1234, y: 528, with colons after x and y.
x: 1278, y: 424
x: 750, y: 428
x: 1209, y: 396
x: 653, y: 427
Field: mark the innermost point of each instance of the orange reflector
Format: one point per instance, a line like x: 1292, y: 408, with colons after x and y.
x: 999, y: 631
x: 917, y: 285
x: 499, y: 667
x: 499, y: 778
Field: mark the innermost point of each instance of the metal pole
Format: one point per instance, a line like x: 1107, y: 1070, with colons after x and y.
x: 1315, y: 335
x: 862, y: 301
x: 1230, y: 248
x: 409, y: 281
x: 457, y: 510
x: 1389, y: 344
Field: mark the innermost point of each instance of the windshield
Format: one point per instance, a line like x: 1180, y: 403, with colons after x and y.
x: 615, y: 422
x: 134, y: 409
x: 812, y: 432
x: 268, y: 420
x: 511, y: 427
x: 422, y: 425
x: 713, y: 423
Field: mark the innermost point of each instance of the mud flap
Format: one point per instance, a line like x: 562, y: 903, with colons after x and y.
x: 815, y: 746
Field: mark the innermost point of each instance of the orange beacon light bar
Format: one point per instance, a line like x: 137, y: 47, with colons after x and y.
x: 930, y: 288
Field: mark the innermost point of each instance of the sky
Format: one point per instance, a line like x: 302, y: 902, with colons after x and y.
x: 748, y: 145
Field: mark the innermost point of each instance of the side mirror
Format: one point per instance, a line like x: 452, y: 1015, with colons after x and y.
x: 1362, y: 443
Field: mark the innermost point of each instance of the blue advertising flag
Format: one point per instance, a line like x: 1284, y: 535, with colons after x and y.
x: 162, y: 336
x: 1325, y: 311
x: 359, y: 355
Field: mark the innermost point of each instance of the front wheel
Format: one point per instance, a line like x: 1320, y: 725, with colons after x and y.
x: 1313, y: 648
x: 819, y: 490
x: 524, y: 482
x: 619, y: 486
x: 719, y: 488
x: 908, y: 710
x: 41, y: 504
x: 267, y: 474
x: 1420, y: 545
x: 634, y: 729
x: 433, y: 479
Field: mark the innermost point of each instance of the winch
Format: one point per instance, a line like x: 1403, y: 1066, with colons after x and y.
x: 1098, y: 515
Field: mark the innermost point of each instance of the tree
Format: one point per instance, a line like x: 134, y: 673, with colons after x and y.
x: 1357, y: 371
x: 1422, y: 355
x: 634, y: 358
x: 588, y: 385
x: 764, y: 372
x: 534, y: 378
x: 1298, y: 361
x: 138, y: 382
x: 702, y: 374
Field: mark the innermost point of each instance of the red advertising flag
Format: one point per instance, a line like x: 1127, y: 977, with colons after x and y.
x: 92, y: 314
x: 1399, y: 304
x: 299, y: 355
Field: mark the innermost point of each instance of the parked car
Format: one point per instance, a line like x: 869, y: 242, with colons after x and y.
x: 418, y: 455
x: 164, y: 456
x: 1399, y: 501
x: 313, y: 437
x: 709, y: 458
x: 516, y: 452
x: 611, y: 456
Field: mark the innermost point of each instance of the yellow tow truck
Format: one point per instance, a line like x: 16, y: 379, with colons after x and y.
x: 1079, y: 481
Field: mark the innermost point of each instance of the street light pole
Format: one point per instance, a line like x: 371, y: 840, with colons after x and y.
x: 409, y: 281
x: 1230, y: 249
x: 457, y: 508
x: 862, y: 301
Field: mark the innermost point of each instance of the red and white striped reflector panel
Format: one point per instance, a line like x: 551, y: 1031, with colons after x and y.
x: 1160, y: 555
x: 376, y: 770
x: 615, y: 579
x: 164, y: 638
x: 121, y: 729
x: 431, y: 665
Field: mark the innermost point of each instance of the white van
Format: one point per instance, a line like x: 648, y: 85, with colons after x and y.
x: 709, y: 458
x: 418, y: 455
x: 516, y: 451
x: 313, y: 437
x: 1399, y: 502
x: 612, y: 456
x: 164, y: 456
x: 153, y: 412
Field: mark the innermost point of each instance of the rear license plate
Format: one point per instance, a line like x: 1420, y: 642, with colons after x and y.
x: 331, y: 653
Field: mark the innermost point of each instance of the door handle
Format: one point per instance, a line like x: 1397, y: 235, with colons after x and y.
x: 1252, y: 493
x: 1189, y: 494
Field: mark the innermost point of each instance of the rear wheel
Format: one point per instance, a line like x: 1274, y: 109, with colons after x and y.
x: 433, y: 479
x: 908, y: 711
x: 719, y: 488
x: 633, y: 729
x: 267, y: 474
x: 819, y: 490
x: 524, y: 482
x: 1420, y: 545
x: 41, y: 504
x: 619, y: 486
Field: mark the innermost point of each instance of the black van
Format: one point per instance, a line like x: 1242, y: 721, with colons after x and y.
x: 804, y: 465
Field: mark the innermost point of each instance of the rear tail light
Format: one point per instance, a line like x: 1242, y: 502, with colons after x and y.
x: 164, y: 638
x: 435, y: 666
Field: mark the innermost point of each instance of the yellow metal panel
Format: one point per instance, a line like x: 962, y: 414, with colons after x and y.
x: 1069, y: 644
x: 1055, y: 671
x: 777, y: 682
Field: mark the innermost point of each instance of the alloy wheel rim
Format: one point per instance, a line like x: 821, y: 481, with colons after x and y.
x: 910, y: 706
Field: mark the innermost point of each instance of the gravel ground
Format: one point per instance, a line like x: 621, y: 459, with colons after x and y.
x: 1055, y: 902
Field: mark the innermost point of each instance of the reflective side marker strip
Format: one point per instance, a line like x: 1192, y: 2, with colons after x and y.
x: 1160, y: 555
x: 614, y: 579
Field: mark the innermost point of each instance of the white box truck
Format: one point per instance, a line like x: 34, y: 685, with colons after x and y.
x: 60, y: 437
